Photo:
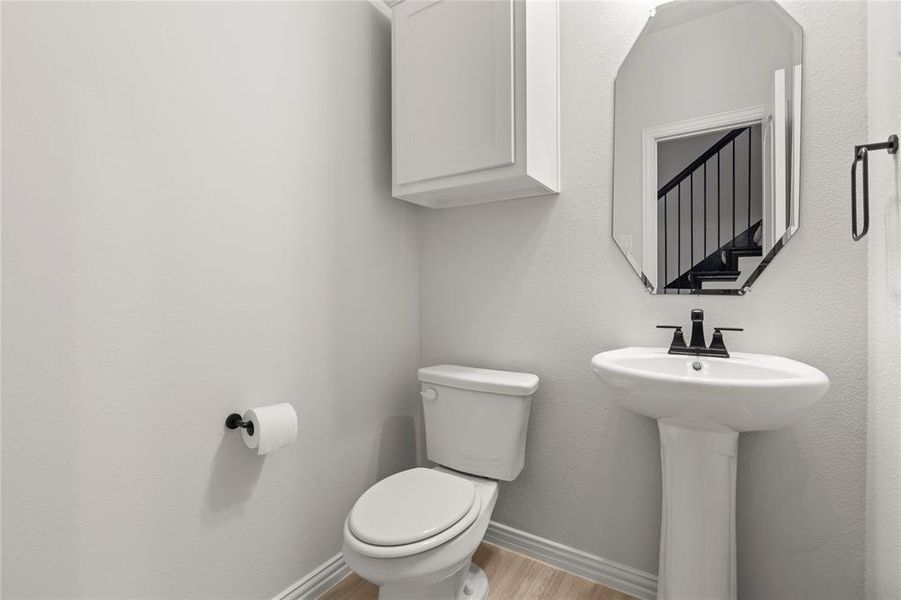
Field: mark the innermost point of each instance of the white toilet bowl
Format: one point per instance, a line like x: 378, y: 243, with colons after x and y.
x: 414, y: 533
x: 416, y: 505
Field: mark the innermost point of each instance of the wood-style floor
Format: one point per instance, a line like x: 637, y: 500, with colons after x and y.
x: 511, y: 576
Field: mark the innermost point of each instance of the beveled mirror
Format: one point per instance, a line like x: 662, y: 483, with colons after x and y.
x: 707, y: 145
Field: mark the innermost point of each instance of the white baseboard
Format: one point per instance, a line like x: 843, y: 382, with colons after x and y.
x: 612, y: 574
x: 316, y: 583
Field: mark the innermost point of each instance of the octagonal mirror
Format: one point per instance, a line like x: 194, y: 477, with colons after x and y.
x: 707, y: 145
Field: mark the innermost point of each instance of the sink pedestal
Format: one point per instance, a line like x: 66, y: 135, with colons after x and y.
x: 700, y: 404
x: 697, y: 536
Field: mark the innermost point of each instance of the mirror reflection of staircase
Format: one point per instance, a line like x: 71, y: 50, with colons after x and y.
x: 722, y: 264
x: 716, y: 187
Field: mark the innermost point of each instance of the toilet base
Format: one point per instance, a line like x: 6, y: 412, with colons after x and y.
x: 469, y: 583
x: 476, y: 583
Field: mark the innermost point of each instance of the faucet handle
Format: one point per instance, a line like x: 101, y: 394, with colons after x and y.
x: 717, y: 344
x: 678, y: 337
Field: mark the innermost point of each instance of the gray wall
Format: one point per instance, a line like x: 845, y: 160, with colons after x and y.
x: 884, y: 331
x: 674, y: 155
x: 179, y: 241
x: 539, y: 285
x: 196, y: 219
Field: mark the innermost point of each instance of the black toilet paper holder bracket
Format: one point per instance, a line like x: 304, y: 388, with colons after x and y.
x: 234, y: 421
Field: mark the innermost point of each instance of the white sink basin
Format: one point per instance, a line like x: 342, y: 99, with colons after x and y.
x: 701, y: 403
x: 746, y: 392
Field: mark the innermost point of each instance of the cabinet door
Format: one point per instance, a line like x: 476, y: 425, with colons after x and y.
x: 452, y: 86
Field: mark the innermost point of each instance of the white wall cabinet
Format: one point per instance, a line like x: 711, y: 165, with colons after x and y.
x: 475, y: 104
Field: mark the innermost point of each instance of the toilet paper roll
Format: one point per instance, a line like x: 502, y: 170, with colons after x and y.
x: 274, y: 427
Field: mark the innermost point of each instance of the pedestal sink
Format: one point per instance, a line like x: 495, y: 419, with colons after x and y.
x: 701, y: 404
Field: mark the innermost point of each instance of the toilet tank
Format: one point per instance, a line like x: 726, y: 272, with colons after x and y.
x: 476, y: 419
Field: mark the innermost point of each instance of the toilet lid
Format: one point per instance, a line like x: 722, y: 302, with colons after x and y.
x: 410, y: 506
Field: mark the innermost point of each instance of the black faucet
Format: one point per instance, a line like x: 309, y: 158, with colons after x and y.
x: 697, y: 346
x: 697, y: 330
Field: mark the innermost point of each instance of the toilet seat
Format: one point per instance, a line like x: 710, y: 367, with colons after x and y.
x: 411, y: 512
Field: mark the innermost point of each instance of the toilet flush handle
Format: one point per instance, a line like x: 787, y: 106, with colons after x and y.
x: 429, y: 394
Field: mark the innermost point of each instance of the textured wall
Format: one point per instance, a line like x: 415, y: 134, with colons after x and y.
x: 884, y: 332
x: 196, y: 219
x: 539, y: 285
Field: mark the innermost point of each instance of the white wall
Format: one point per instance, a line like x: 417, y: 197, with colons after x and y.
x: 676, y: 154
x: 884, y: 331
x: 196, y: 219
x: 539, y: 285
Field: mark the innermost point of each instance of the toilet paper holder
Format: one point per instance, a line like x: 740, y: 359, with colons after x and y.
x: 234, y: 421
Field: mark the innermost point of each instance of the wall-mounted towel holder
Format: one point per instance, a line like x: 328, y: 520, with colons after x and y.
x: 861, y: 153
x: 234, y: 421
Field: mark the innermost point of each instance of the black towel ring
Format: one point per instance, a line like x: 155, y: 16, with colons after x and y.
x: 861, y: 154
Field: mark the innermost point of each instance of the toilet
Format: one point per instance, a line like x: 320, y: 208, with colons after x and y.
x: 414, y: 533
